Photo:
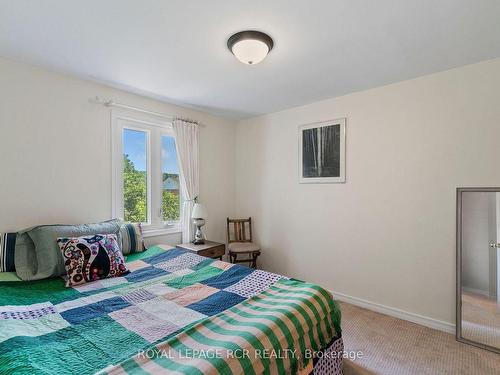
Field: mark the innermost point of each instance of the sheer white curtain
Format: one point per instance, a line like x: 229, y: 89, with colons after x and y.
x: 186, y: 143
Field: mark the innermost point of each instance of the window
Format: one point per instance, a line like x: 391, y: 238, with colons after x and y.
x: 135, y: 175
x: 146, y: 186
x: 171, y: 202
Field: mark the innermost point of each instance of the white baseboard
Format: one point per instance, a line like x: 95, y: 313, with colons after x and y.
x: 397, y: 313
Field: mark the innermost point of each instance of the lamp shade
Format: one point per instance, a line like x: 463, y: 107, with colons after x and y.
x: 250, y: 51
x: 199, y: 211
x: 250, y: 46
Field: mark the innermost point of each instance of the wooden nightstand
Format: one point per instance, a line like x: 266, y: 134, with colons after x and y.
x: 209, y: 249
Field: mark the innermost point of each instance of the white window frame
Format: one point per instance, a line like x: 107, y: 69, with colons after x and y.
x: 154, y: 129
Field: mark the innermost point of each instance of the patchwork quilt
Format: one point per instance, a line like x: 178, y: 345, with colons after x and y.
x: 176, y: 312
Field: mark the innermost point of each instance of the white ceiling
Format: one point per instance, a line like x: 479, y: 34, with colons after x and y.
x: 175, y: 50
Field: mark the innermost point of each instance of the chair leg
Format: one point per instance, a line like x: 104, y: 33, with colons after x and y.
x: 254, y: 260
x: 251, y: 259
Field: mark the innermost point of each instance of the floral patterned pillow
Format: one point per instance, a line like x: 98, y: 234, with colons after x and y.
x: 91, y: 258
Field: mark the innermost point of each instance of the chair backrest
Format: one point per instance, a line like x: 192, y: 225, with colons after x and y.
x: 238, y: 229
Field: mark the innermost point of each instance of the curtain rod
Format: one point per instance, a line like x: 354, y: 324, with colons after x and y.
x: 111, y: 103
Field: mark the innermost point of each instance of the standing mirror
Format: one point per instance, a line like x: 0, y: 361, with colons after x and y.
x: 478, y: 267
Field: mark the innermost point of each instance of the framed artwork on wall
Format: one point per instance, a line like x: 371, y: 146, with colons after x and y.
x: 322, y: 152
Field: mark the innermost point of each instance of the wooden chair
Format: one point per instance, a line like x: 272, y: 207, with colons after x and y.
x: 239, y: 243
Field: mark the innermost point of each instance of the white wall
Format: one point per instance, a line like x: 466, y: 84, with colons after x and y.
x: 388, y: 234
x: 55, y: 151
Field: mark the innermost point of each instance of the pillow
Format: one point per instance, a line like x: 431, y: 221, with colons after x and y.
x: 132, y: 241
x: 37, y: 255
x: 7, y: 247
x: 91, y: 258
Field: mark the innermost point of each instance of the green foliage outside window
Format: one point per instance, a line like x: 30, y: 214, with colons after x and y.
x: 135, y: 195
x: 170, y: 200
x: 170, y: 206
x: 135, y: 192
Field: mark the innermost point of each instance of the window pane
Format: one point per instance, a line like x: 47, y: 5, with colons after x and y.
x: 171, y: 202
x: 135, y: 176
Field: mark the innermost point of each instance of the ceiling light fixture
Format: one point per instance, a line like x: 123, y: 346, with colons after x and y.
x: 250, y: 46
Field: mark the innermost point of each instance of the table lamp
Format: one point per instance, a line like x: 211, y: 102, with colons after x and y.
x: 199, y: 215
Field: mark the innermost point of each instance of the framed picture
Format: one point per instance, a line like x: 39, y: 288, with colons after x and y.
x: 322, y: 152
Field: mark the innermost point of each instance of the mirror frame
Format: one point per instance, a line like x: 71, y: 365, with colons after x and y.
x: 458, y: 324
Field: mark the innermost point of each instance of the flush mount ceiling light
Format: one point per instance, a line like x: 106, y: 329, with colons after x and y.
x: 250, y: 47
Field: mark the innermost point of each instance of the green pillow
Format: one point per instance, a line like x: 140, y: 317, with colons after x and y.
x: 37, y: 255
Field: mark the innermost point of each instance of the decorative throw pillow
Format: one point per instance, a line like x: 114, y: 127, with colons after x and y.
x: 7, y: 247
x: 132, y: 241
x: 91, y: 258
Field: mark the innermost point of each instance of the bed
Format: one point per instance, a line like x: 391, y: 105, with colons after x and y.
x: 176, y: 312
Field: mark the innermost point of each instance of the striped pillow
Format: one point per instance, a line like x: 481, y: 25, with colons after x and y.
x: 132, y: 241
x: 7, y: 247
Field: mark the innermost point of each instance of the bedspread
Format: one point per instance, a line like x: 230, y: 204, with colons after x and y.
x: 175, y: 311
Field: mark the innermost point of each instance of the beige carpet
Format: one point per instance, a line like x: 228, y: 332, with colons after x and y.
x: 394, y: 346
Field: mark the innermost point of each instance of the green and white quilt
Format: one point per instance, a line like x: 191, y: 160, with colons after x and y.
x: 176, y: 312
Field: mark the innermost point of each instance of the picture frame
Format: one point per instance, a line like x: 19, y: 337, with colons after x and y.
x: 322, y: 152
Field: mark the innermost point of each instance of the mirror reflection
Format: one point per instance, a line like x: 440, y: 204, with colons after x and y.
x: 480, y: 264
